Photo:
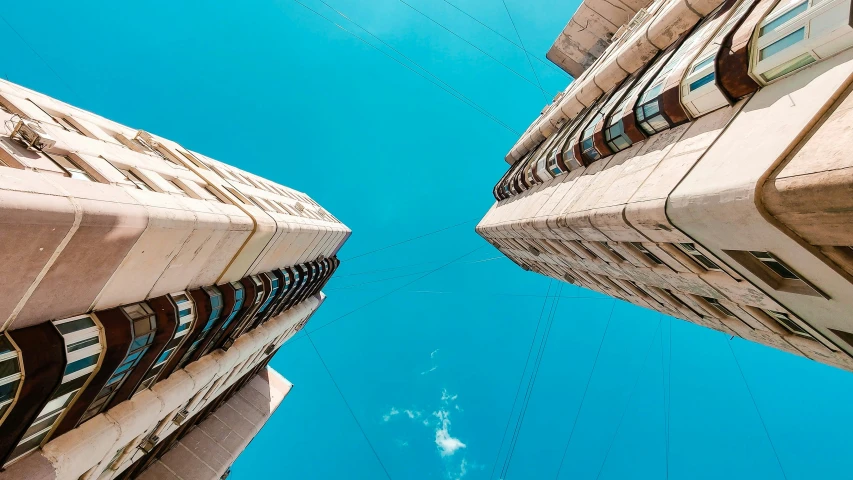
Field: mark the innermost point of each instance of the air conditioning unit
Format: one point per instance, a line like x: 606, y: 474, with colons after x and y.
x: 148, y: 445
x: 300, y: 207
x: 181, y: 416
x: 144, y: 137
x: 33, y: 135
x: 270, y: 348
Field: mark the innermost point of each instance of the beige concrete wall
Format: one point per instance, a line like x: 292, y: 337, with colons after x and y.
x: 74, y: 246
x: 207, y: 451
x: 105, y: 445
x: 623, y: 199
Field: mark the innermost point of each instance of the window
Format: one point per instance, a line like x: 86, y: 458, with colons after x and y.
x: 785, y: 320
x: 782, y: 44
x: 135, y: 180
x: 695, y: 85
x: 10, y: 374
x: 645, y: 251
x: 699, y: 257
x: 614, y: 252
x: 797, y: 34
x: 70, y: 166
x: 178, y: 189
x: 719, y: 306
x: 774, y: 264
x: 588, y: 149
x: 584, y: 248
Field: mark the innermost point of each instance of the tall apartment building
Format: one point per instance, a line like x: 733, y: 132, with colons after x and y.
x: 698, y: 166
x: 145, y: 289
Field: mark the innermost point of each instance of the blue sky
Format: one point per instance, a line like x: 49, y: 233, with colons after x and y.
x: 430, y: 371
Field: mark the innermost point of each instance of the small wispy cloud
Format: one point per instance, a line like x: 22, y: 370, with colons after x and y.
x: 432, y: 354
x: 391, y: 413
x: 413, y: 413
x: 430, y: 370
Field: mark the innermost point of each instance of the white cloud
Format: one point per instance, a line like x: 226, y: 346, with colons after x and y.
x: 432, y: 355
x: 390, y: 414
x: 413, y: 413
x: 447, y: 444
x: 430, y: 370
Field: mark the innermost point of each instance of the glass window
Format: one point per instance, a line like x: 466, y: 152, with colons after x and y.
x: 143, y: 326
x: 716, y: 304
x: 785, y: 320
x: 642, y: 248
x: 9, y: 367
x: 703, y: 63
x: 5, y: 346
x: 137, y: 310
x: 784, y: 18
x: 141, y: 342
x: 774, y: 264
x: 73, y: 347
x: 8, y: 390
x: 164, y: 356
x: 783, y: 43
x: 81, y: 364
x: 788, y: 67
x: 134, y: 179
x: 75, y: 325
x: 183, y: 326
x: 703, y: 260
x: 184, y: 312
x: 71, y: 167
x: 702, y: 82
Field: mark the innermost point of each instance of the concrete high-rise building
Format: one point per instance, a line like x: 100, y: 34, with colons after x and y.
x: 145, y: 287
x: 697, y: 165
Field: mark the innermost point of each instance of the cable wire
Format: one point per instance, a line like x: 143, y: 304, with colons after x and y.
x: 396, y: 289
x: 532, y: 382
x: 355, y: 285
x: 586, y: 389
x: 459, y: 97
x: 37, y: 54
x: 408, y: 240
x: 526, y: 55
x: 521, y: 380
x: 351, y: 412
x: 628, y: 403
x: 664, y: 396
x: 544, y: 62
x: 460, y: 94
x: 539, y: 87
x: 755, y: 405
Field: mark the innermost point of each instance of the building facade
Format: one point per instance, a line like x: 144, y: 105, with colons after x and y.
x: 146, y: 287
x: 697, y: 166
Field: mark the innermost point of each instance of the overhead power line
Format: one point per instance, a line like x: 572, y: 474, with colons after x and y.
x: 521, y: 380
x: 526, y: 55
x: 451, y: 91
x: 351, y: 412
x: 544, y: 62
x: 534, y: 374
x: 755, y: 405
x: 37, y: 54
x: 630, y: 396
x: 344, y: 287
x: 408, y: 239
x: 396, y: 289
x: 586, y: 389
x: 539, y: 87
